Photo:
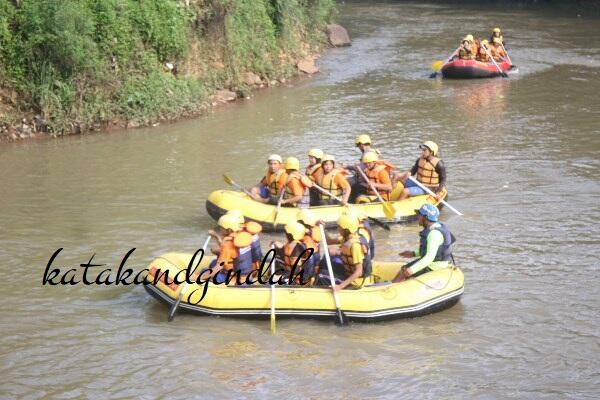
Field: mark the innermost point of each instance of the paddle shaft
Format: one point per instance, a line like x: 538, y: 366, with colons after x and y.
x: 173, y: 309
x: 273, y: 323
x: 507, y: 56
x: 331, y: 277
x: 495, y: 63
x: 364, y: 176
x: 278, y: 205
x: 236, y: 185
x: 425, y: 188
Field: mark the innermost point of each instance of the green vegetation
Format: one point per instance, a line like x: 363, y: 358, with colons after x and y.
x: 88, y: 62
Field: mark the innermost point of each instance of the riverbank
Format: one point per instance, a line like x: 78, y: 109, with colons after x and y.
x: 72, y: 68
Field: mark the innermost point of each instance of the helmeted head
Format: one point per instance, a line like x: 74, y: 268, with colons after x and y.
x: 229, y: 222
x: 496, y: 30
x: 485, y: 42
x: 237, y: 214
x: 306, y: 217
x: 317, y: 154
x: 274, y: 162
x: 469, y: 38
x: 432, y: 147
x: 347, y: 223
x: 328, y: 163
x: 295, y: 230
x: 363, y: 139
x: 369, y: 159
x: 429, y: 212
x: 292, y: 163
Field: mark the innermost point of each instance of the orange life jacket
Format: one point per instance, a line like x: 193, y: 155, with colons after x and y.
x: 373, y: 175
x: 346, y: 253
x: 313, y: 171
x: 482, y: 55
x: 305, y: 200
x: 272, y: 180
x: 327, y: 182
x: 288, y: 249
x: 236, y: 252
x: 426, y: 173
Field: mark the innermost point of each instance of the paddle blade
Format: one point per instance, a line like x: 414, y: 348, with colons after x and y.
x: 389, y: 210
x: 228, y: 180
x: 273, y: 324
x: 436, y: 66
x: 380, y: 223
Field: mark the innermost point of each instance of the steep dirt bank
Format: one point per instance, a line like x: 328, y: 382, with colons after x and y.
x: 74, y: 67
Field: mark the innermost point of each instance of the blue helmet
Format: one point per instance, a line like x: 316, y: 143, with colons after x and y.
x: 430, y: 212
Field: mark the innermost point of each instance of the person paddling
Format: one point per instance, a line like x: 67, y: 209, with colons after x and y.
x: 430, y: 171
x: 233, y: 250
x: 435, y: 246
x: 379, y: 177
x: 351, y: 255
x: 496, y: 50
x: 334, y: 181
x: 482, y: 55
x: 497, y: 33
x: 314, y: 172
x: 465, y: 52
x: 296, y: 192
x: 268, y: 189
x: 293, y: 254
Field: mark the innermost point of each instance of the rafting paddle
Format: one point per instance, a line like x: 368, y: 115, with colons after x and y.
x: 437, y: 66
x: 231, y: 182
x: 333, y: 196
x: 388, y: 208
x: 341, y: 319
x: 425, y: 188
x: 507, y: 56
x: 173, y: 309
x: 278, y: 207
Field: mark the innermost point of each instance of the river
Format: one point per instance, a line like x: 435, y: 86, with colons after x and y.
x: 523, y: 162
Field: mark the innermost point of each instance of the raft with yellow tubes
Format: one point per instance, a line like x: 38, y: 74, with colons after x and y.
x: 373, y: 301
x: 221, y: 201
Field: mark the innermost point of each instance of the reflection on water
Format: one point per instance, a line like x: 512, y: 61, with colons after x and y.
x: 522, y: 156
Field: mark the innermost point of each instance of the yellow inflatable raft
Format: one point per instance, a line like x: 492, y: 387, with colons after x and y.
x: 221, y: 201
x: 427, y: 293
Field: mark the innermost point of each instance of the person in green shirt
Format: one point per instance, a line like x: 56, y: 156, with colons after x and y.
x: 435, y: 247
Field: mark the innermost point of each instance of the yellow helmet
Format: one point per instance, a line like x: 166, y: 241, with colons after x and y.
x: 497, y: 40
x: 306, y: 216
x: 316, y: 153
x: 496, y: 30
x: 237, y: 214
x: 484, y: 41
x: 275, y: 157
x: 348, y: 222
x: 431, y: 146
x: 363, y: 139
x: 229, y: 221
x: 356, y: 213
x: 370, y: 156
x: 469, y: 38
x: 292, y: 163
x: 296, y: 230
x: 327, y: 157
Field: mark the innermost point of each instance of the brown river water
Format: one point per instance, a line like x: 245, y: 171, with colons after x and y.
x: 523, y: 164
